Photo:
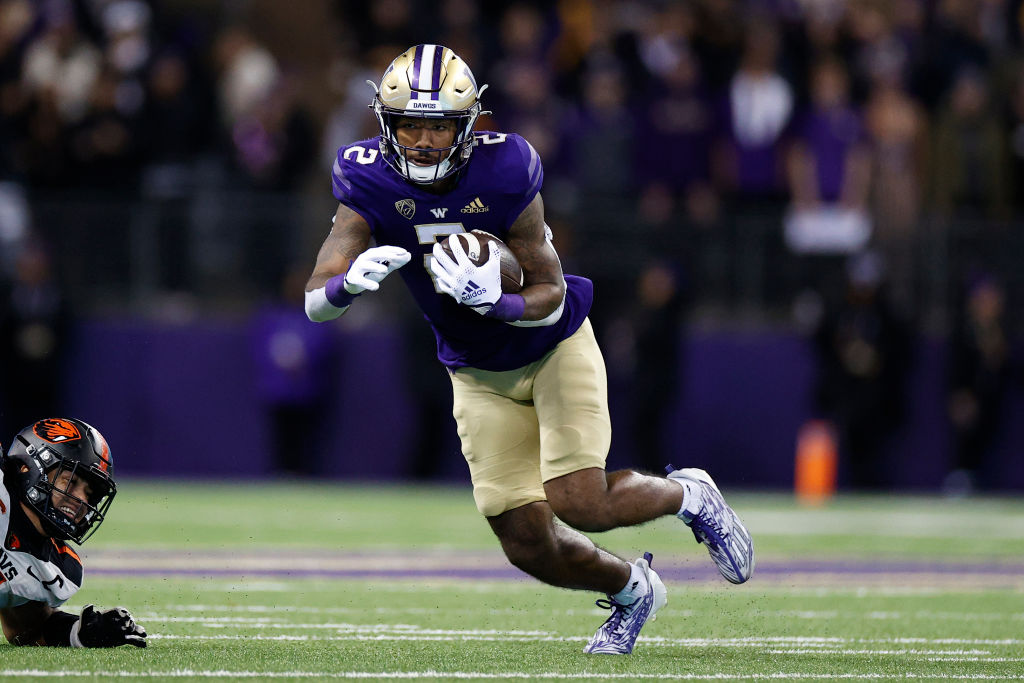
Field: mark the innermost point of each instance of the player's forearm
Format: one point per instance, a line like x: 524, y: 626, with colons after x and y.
x: 319, y: 308
x: 543, y: 305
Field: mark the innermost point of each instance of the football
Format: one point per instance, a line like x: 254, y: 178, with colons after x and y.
x: 474, y: 243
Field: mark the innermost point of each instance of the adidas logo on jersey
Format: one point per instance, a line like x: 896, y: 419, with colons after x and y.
x: 475, y: 206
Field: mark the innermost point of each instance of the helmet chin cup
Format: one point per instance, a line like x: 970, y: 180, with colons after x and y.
x: 425, y: 174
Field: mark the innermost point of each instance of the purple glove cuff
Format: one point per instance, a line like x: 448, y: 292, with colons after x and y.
x: 336, y: 293
x: 508, y: 308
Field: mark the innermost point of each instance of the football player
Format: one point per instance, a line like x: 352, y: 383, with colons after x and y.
x: 56, y: 485
x: 530, y: 394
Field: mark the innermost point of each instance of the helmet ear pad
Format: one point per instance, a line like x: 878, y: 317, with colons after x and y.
x: 34, y: 467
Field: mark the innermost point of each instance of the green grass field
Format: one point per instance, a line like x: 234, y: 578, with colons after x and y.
x: 248, y: 581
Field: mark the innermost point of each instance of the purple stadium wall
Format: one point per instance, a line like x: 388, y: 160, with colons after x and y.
x: 180, y: 401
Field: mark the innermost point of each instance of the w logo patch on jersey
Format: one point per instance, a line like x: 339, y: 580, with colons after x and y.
x: 56, y: 430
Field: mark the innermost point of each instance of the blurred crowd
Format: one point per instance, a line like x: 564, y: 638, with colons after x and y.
x: 860, y: 118
x: 779, y: 141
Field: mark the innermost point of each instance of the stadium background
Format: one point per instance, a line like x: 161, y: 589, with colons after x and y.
x: 168, y: 163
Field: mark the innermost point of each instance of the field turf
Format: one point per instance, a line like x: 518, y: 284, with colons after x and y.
x: 248, y: 581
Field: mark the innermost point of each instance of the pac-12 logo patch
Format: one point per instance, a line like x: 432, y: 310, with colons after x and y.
x: 406, y: 207
x: 56, y: 430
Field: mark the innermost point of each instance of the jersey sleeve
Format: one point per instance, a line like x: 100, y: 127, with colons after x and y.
x: 348, y: 177
x: 525, y: 174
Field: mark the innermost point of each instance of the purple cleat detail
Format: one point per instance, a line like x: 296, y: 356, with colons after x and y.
x: 715, y: 525
x: 618, y: 634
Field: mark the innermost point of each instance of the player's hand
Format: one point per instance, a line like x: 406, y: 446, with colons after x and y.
x: 372, y: 266
x: 109, y: 628
x: 478, y: 287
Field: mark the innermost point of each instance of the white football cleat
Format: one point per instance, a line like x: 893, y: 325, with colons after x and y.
x: 715, y: 524
x: 618, y: 634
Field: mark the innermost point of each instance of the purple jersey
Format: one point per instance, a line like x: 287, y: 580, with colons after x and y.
x: 503, y: 176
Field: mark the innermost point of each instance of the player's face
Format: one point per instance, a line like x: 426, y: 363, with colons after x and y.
x: 68, y: 495
x: 424, y: 134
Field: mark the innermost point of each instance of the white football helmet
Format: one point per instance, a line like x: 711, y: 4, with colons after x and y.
x: 427, y: 81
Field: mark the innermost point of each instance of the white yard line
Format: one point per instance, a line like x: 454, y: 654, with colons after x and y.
x: 779, y: 645
x: 412, y: 631
x: 479, y: 675
x: 926, y: 615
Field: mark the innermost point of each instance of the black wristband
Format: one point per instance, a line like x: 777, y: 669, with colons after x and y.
x: 56, y: 631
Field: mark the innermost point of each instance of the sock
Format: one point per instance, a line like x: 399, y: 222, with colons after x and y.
x: 635, y: 587
x: 687, y: 497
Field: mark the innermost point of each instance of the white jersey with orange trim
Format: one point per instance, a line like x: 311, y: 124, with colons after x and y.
x: 33, y: 567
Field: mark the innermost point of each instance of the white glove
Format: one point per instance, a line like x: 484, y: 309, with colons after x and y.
x: 372, y: 266
x: 478, y: 287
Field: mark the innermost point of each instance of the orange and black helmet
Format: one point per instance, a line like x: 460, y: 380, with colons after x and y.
x: 39, y: 455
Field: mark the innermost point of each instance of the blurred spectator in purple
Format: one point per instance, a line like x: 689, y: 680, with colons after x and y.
x: 979, y: 374
x: 531, y: 107
x: 522, y: 64
x: 969, y: 159
x: 522, y: 92
x: 758, y: 108
x: 293, y: 370
x: 678, y: 120
x: 829, y: 168
x: 34, y: 324
x: 863, y: 351
x: 828, y: 160
x: 602, y: 141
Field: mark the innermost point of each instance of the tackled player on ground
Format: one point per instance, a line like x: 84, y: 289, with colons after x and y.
x: 56, y: 485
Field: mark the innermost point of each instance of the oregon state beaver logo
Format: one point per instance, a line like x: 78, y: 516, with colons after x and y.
x: 56, y: 430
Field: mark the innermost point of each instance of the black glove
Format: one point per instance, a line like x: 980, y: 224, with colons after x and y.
x: 109, y: 628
